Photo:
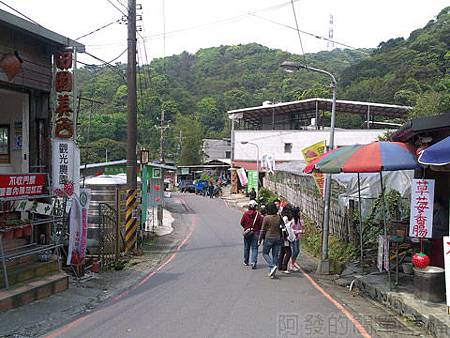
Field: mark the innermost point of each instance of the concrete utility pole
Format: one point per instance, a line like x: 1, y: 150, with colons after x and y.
x: 131, y: 79
x: 162, y: 127
x: 324, y: 264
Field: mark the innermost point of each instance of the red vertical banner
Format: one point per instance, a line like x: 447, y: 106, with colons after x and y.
x: 63, y: 81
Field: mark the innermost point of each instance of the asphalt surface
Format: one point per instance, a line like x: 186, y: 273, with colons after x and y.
x: 205, y: 291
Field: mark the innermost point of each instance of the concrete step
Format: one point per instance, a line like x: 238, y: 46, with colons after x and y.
x: 27, y: 271
x: 33, y: 290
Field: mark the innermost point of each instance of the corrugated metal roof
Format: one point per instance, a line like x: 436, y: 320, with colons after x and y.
x: 38, y: 31
x: 307, y: 109
x: 421, y: 125
x: 119, y: 162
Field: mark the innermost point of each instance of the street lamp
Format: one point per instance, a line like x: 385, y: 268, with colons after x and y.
x: 257, y: 164
x: 324, y: 264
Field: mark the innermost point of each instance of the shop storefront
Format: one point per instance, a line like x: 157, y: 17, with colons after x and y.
x: 423, y: 133
x: 30, y: 120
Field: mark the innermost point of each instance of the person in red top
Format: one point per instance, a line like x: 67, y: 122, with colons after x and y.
x: 251, y: 223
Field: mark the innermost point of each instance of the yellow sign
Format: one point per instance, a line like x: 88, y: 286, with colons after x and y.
x: 310, y: 154
x: 314, y: 151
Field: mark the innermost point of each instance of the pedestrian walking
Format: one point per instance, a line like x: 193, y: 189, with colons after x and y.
x: 252, y: 194
x: 251, y: 223
x: 271, y: 235
x: 211, y: 189
x: 287, y: 237
x: 297, y: 228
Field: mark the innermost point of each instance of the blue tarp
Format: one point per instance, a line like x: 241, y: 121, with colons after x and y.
x: 437, y: 154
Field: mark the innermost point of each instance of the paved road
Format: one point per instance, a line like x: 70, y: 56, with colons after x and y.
x: 205, y: 291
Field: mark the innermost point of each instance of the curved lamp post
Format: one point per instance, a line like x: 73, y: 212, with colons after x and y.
x: 257, y: 164
x: 324, y: 264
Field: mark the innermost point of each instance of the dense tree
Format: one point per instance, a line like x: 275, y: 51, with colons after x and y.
x: 196, y: 90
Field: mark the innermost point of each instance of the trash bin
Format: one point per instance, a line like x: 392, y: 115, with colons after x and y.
x: 429, y: 284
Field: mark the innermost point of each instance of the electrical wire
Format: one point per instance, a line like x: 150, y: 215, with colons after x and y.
x: 304, y: 32
x: 105, y: 63
x: 164, y: 35
x: 98, y: 29
x: 122, y: 4
x: 118, y: 56
x: 115, y: 6
x: 145, y: 70
x: 220, y: 21
x: 20, y: 13
x: 298, y: 31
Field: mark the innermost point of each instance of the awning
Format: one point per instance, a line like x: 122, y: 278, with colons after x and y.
x: 251, y: 165
x: 438, y: 154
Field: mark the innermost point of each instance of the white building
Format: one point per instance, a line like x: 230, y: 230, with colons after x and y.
x: 216, y: 149
x: 284, y: 129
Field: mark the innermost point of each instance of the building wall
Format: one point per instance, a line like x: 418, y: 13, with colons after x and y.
x: 33, y: 81
x: 215, y: 149
x: 273, y: 141
x: 36, y: 68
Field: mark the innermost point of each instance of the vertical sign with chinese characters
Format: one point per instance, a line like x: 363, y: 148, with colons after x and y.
x: 421, y: 218
x: 446, y: 240
x: 78, y: 227
x: 63, y: 115
x: 252, y: 180
x: 242, y: 176
x: 65, y: 167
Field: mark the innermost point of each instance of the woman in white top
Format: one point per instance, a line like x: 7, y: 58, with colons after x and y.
x: 287, y: 238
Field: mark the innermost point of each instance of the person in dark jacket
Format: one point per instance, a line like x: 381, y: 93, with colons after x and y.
x: 251, y: 223
x: 252, y: 194
x: 271, y: 235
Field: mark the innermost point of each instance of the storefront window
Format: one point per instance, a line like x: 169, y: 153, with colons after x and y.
x: 4, y: 144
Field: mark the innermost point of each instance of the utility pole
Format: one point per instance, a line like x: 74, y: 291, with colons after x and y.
x: 162, y: 127
x: 131, y: 213
x: 131, y: 79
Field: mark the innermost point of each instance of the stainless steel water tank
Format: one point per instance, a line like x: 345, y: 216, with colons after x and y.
x: 103, y: 190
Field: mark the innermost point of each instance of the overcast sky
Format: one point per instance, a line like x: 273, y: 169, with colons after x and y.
x: 194, y: 24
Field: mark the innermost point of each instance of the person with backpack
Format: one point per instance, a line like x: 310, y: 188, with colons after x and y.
x: 287, y: 237
x: 297, y: 228
x: 251, y: 223
x: 271, y: 235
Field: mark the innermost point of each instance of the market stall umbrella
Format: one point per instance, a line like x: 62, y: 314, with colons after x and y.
x: 310, y: 167
x: 436, y: 155
x: 371, y: 158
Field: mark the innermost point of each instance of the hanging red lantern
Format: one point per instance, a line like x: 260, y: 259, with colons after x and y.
x: 11, y: 64
x: 420, y: 260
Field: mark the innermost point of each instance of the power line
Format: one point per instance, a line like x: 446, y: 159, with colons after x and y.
x: 123, y: 5
x: 118, y: 56
x: 20, y: 13
x: 105, y: 63
x: 98, y: 29
x: 115, y: 6
x: 164, y: 35
x: 298, y: 31
x: 220, y: 21
x: 304, y: 32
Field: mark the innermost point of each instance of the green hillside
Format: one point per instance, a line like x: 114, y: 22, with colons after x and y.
x: 413, y: 72
x: 196, y: 90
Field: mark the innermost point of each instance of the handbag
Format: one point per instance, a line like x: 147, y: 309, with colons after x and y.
x: 247, y: 233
